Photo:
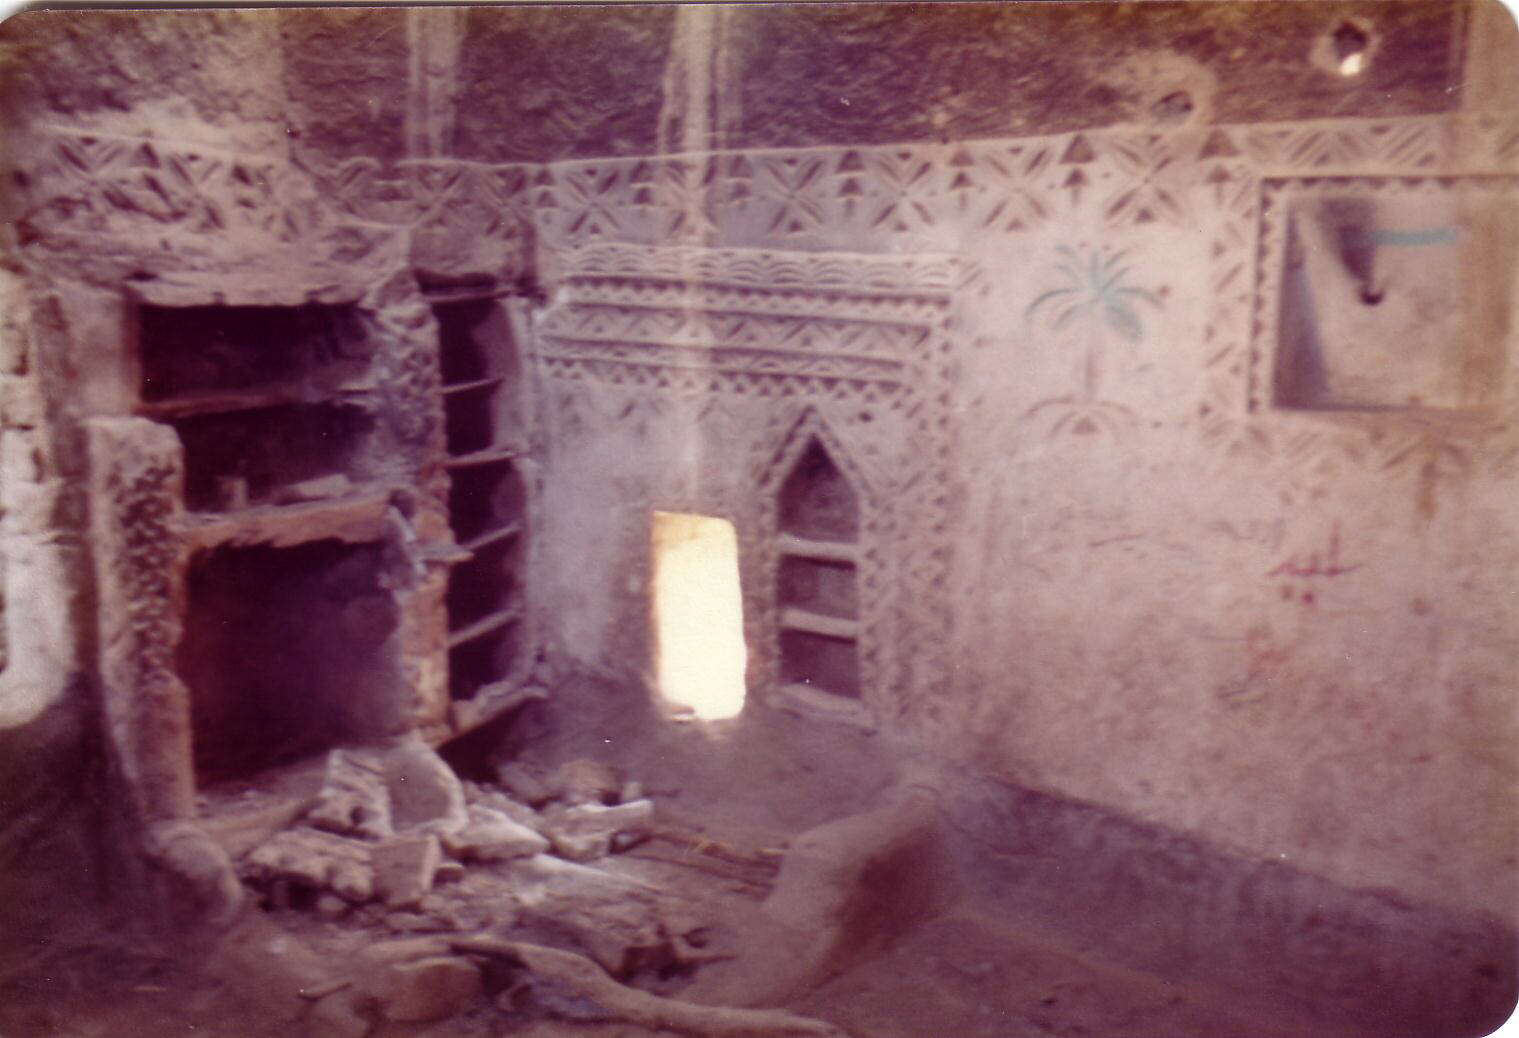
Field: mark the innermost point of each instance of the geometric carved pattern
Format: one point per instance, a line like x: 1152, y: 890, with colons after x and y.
x: 751, y: 270
x: 136, y: 526
x: 101, y: 183
x: 853, y: 351
x: 903, y: 198
x: 821, y: 277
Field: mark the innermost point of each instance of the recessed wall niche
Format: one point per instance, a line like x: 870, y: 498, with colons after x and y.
x: 817, y: 597
x: 212, y: 354
x: 1392, y: 294
x: 286, y: 651
x: 265, y: 450
x: 257, y: 396
x: 484, y: 431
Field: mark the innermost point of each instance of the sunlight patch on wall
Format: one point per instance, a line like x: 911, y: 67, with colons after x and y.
x: 698, y: 615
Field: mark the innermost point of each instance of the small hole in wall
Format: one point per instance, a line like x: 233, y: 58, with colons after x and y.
x: 698, y: 615
x: 1350, y: 42
x: 1172, y: 108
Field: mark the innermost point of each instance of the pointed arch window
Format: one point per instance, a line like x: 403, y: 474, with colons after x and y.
x: 817, y: 593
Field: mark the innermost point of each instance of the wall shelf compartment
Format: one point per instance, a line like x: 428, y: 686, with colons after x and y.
x: 817, y: 578
x: 484, y: 429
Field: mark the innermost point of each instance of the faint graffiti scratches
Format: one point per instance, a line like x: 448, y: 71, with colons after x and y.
x: 1324, y: 563
x: 1265, y: 656
x: 1268, y: 533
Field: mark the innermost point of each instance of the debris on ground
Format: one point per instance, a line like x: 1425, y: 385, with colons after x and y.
x: 391, y: 842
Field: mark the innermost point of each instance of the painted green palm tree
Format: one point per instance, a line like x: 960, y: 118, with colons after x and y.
x: 1097, y: 298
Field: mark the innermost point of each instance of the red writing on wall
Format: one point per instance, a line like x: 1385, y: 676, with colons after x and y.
x: 1318, y: 563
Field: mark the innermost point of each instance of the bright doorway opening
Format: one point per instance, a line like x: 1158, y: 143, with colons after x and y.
x: 698, y: 615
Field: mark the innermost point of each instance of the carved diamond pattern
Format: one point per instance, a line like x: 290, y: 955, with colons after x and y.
x: 906, y: 178
x: 1006, y: 181
x: 592, y: 197
x: 795, y: 187
x: 1154, y: 181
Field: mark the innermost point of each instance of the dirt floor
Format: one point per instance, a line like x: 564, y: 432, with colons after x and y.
x: 730, y: 800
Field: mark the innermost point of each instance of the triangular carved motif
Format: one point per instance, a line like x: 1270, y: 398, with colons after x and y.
x: 807, y: 427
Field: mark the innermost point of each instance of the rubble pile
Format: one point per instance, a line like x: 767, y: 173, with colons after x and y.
x: 388, y: 825
x: 394, y: 848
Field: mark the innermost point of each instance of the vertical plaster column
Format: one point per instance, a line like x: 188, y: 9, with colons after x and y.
x: 136, y: 493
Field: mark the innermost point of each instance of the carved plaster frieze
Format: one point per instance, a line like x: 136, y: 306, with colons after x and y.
x: 850, y: 351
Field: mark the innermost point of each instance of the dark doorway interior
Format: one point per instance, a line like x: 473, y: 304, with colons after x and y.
x: 286, y: 651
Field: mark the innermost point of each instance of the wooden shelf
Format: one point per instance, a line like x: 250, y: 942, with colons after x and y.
x: 352, y: 519
x: 219, y: 402
x: 489, y: 456
x: 465, y: 294
x: 831, y: 551
x: 489, y: 702
x: 451, y: 388
x: 816, y: 623
x: 485, y: 625
x: 490, y: 537
x: 815, y: 701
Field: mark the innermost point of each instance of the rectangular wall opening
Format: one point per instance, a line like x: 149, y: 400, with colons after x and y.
x: 486, y: 583
x: 266, y: 450
x: 1394, y: 302
x: 824, y: 586
x: 698, y: 615
x: 201, y: 353
x: 286, y: 652
x: 256, y: 394
x: 470, y: 416
x: 486, y: 498
x: 821, y: 662
x: 478, y: 662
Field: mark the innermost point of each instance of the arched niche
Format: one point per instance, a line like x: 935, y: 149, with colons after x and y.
x: 817, y: 577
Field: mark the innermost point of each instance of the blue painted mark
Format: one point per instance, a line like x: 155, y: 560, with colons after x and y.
x: 1418, y: 236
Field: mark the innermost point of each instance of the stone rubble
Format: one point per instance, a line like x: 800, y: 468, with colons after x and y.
x: 583, y: 781
x: 316, y: 860
x: 390, y: 823
x: 524, y: 783
x: 492, y: 836
x: 353, y: 800
x: 405, y: 867
x: 587, y: 830
x: 518, y: 810
x: 336, y: 1016
x: 395, y: 841
x: 424, y: 791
